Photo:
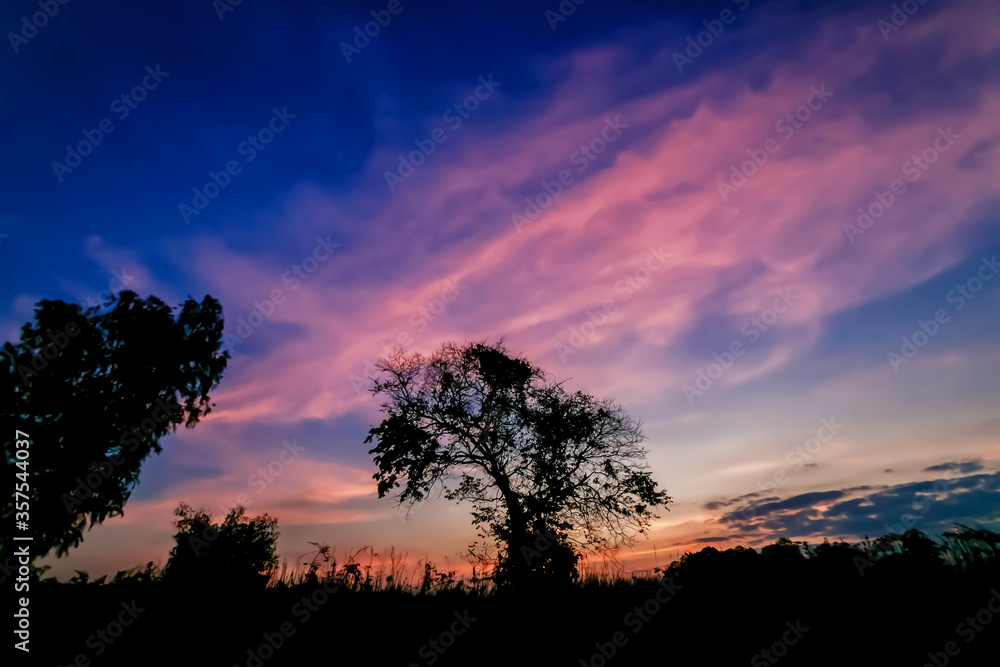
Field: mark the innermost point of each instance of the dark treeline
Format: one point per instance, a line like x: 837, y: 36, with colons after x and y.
x: 895, y: 600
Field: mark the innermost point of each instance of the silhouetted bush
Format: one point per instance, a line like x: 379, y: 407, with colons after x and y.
x: 239, y: 551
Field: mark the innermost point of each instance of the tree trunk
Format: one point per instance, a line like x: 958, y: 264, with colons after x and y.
x: 517, y: 567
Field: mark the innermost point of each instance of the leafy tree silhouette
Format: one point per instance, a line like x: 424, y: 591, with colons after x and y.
x: 96, y: 392
x: 239, y: 551
x: 528, y: 455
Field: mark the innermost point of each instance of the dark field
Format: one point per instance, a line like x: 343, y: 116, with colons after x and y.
x: 829, y: 605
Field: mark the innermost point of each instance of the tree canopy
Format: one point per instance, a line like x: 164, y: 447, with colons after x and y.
x: 548, y: 472
x: 94, y: 392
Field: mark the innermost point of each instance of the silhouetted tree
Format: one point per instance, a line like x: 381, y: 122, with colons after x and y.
x: 95, y: 392
x: 530, y: 457
x: 238, y: 551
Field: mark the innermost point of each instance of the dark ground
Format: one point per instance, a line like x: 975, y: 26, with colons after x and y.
x: 896, y: 613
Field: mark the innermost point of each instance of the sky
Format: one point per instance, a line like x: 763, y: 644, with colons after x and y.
x: 768, y: 229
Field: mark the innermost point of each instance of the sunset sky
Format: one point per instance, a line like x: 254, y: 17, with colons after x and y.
x: 732, y: 238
